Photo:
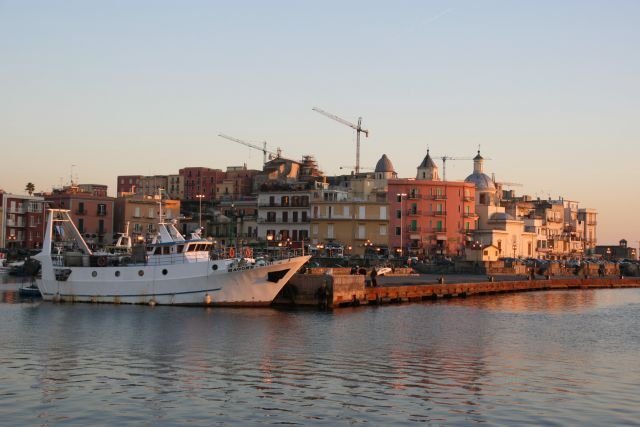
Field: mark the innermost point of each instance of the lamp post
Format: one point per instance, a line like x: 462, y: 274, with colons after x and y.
x: 200, y: 197
x: 269, y: 240
x: 400, y: 197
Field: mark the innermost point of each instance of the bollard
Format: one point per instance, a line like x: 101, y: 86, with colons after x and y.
x: 491, y: 278
x: 441, y: 280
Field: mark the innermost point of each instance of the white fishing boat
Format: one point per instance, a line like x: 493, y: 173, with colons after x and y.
x: 169, y: 270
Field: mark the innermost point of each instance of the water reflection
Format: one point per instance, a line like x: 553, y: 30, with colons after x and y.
x: 533, y: 358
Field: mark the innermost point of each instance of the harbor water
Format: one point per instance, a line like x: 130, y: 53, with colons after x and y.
x: 536, y: 358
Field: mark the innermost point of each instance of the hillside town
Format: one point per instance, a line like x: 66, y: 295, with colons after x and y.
x: 292, y: 203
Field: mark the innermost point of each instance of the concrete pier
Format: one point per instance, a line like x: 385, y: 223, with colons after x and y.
x: 350, y: 290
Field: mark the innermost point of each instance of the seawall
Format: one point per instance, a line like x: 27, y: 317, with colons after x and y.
x: 335, y: 291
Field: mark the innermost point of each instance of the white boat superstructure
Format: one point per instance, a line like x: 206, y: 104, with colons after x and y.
x: 168, y: 270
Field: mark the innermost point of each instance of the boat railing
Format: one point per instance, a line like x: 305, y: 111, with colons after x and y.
x: 77, y: 259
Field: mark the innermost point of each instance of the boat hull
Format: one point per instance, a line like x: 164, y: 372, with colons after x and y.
x: 214, y: 283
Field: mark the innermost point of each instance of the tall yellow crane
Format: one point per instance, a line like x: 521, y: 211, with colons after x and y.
x: 357, y: 127
x: 248, y: 144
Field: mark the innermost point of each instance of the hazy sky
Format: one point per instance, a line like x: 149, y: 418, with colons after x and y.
x: 550, y: 90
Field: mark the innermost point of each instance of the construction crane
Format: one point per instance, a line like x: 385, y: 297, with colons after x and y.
x: 444, y: 163
x: 248, y: 144
x: 357, y: 127
x: 361, y: 167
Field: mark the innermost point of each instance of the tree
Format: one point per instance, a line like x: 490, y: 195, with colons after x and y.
x: 30, y: 188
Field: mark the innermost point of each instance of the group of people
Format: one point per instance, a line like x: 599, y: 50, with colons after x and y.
x: 363, y: 271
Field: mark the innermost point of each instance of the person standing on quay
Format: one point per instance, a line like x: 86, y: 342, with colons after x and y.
x: 374, y: 274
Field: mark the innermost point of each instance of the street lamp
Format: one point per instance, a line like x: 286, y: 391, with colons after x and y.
x: 400, y: 197
x: 200, y: 197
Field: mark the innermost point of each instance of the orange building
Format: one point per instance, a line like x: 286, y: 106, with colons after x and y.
x: 430, y: 217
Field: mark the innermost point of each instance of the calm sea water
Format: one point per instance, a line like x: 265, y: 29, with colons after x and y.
x: 546, y: 358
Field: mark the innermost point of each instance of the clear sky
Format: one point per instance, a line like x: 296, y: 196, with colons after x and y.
x: 548, y: 89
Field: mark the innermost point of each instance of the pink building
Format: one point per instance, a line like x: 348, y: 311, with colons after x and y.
x: 198, y: 180
x: 92, y: 212
x: 430, y: 217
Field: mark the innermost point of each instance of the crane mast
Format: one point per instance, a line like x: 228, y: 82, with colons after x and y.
x: 358, y: 129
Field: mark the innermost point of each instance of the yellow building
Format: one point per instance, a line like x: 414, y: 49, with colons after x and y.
x: 360, y: 226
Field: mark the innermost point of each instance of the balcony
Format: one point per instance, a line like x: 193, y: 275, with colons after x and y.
x: 414, y: 212
x: 470, y: 215
x: 439, y: 197
x: 439, y: 213
x: 468, y: 198
x: 413, y: 230
x: 102, y: 213
x: 278, y: 205
x: 81, y: 212
x: 415, y: 196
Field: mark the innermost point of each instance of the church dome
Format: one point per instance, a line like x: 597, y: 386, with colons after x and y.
x: 482, y: 181
x: 384, y: 165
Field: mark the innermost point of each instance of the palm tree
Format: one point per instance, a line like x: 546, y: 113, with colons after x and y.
x: 30, y: 188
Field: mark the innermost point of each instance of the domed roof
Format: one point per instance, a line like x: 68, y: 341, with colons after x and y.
x: 482, y: 181
x: 384, y: 165
x: 500, y: 216
x: 478, y: 177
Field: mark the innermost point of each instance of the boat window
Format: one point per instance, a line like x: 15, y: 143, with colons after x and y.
x: 166, y: 250
x: 117, y: 274
x: 141, y: 273
x: 94, y: 274
x: 164, y: 271
x: 180, y: 248
x: 191, y: 248
x: 158, y: 251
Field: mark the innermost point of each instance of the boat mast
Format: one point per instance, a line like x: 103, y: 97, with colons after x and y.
x: 160, y: 219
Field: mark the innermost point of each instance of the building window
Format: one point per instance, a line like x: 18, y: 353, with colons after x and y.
x: 81, y: 225
x: 330, y: 231
x: 398, y: 231
x: 383, y: 230
x: 102, y: 209
x: 383, y: 212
